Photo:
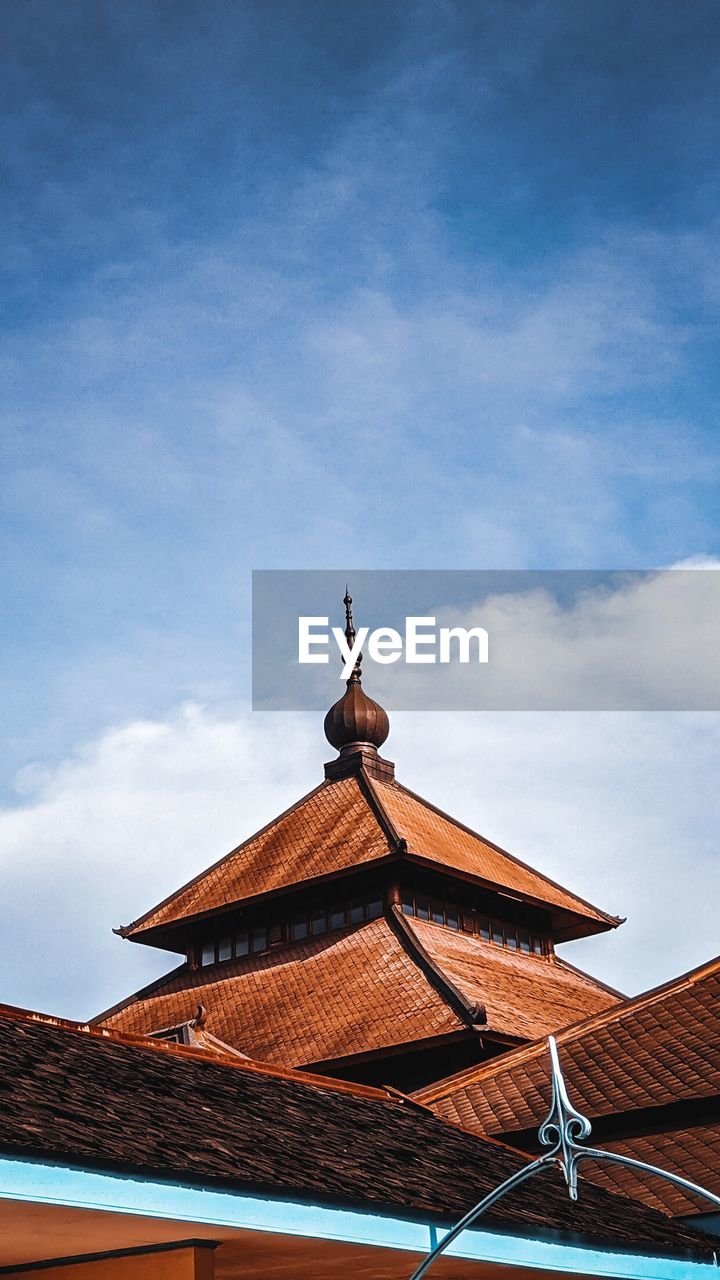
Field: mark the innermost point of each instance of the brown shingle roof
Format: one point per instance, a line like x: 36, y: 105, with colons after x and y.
x: 327, y: 998
x: 361, y: 991
x: 639, y: 1069
x: 357, y: 821
x: 434, y: 835
x: 525, y: 996
x: 692, y: 1153
x: 329, y: 830
x: 173, y: 1112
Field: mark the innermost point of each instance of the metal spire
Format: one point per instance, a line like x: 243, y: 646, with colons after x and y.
x: 350, y: 635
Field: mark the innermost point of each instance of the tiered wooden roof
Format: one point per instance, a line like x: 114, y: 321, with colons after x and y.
x: 387, y: 984
x: 367, y: 989
x: 647, y: 1073
x: 360, y: 821
x: 94, y: 1098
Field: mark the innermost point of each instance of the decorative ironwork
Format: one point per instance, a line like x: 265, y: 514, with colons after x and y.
x: 563, y: 1130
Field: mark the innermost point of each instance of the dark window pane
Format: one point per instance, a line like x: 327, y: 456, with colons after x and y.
x: 242, y: 943
x: 374, y: 909
x: 524, y: 940
x: 299, y: 928
x: 338, y: 916
x: 511, y: 938
x: 484, y: 929
x: 537, y: 944
x: 224, y: 949
x: 407, y: 904
x: 451, y: 917
x: 259, y: 938
x: 357, y: 912
x: 276, y: 934
x: 422, y: 910
x: 438, y: 914
x: 319, y: 923
x: 497, y: 933
x: 208, y: 953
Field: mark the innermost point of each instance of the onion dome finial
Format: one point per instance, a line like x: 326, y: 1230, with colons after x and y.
x: 355, y: 720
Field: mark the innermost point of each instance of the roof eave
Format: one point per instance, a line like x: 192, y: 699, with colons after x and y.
x: 566, y: 924
x: 352, y: 1219
x: 160, y: 935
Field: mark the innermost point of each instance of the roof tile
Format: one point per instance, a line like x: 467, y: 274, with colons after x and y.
x: 524, y: 995
x: 342, y: 994
x: 434, y: 835
x: 329, y: 830
x: 340, y: 825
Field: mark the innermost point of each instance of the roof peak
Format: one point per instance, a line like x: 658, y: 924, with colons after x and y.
x: 355, y: 724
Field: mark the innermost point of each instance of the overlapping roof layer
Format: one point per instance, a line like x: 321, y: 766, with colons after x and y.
x: 525, y: 996
x: 647, y: 1072
x: 330, y: 830
x: 433, y: 835
x: 361, y: 991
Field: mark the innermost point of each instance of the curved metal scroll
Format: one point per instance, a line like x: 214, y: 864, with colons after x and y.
x: 562, y: 1130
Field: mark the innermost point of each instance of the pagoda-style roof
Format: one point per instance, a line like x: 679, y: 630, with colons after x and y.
x: 385, y: 984
x: 364, y: 923
x: 352, y: 822
x: 647, y: 1074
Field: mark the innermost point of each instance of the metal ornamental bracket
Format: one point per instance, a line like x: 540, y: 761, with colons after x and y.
x: 563, y: 1130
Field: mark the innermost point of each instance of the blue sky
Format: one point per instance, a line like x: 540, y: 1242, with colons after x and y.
x: 316, y: 285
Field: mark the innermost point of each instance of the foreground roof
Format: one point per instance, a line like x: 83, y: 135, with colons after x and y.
x: 368, y: 989
x: 360, y: 821
x: 647, y: 1072
x: 138, y: 1106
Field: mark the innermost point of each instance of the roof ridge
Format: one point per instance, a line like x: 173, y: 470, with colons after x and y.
x: 568, y: 1034
x: 126, y: 930
x: 110, y: 1035
x: 473, y: 1014
x: 381, y: 812
x: 526, y: 866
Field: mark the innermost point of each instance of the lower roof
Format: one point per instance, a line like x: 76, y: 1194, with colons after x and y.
x: 364, y: 990
x: 96, y: 1099
x: 692, y: 1153
x: 646, y: 1072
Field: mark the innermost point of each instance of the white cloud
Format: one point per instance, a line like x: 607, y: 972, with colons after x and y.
x: 129, y: 817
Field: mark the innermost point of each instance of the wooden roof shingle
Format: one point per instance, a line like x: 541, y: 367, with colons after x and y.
x: 360, y: 991
x: 97, y: 1099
